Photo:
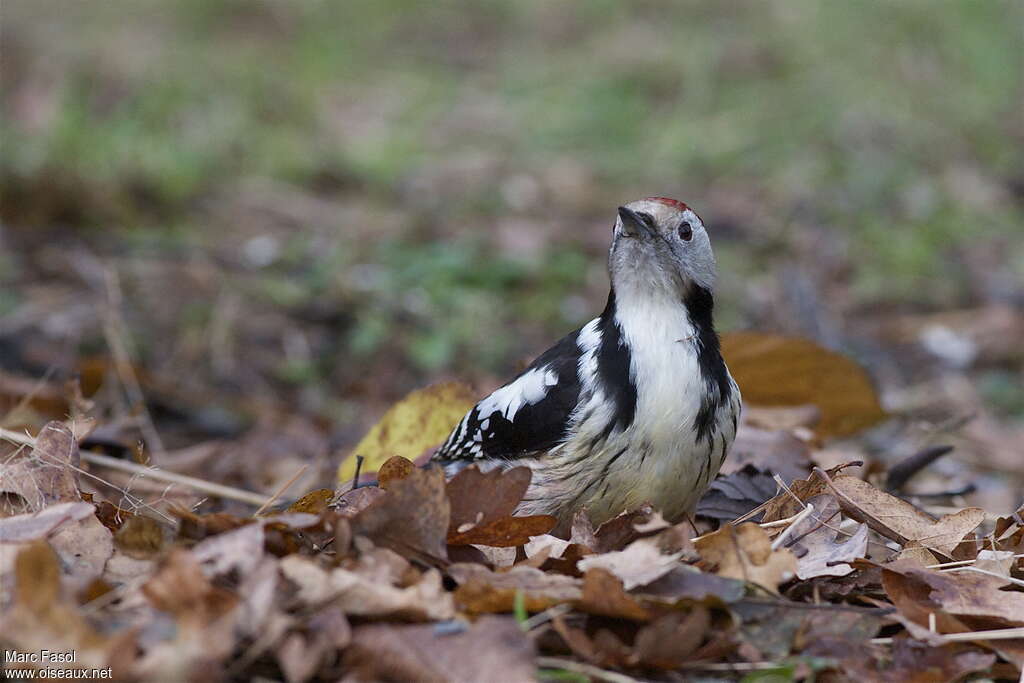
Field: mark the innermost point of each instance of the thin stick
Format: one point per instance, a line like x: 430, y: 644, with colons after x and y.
x: 585, y: 669
x: 211, y: 488
x: 1010, y: 579
x: 277, y: 494
x: 359, y: 468
x: 777, y: 543
x: 115, y: 332
x: 996, y: 634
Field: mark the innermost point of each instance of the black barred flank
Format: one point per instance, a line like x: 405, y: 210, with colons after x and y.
x: 613, y: 361
x: 718, y: 389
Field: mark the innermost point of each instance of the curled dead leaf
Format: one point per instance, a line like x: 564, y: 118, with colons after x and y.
x: 900, y: 521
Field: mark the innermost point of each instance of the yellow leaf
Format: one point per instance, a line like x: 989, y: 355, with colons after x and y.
x: 774, y: 370
x: 421, y: 420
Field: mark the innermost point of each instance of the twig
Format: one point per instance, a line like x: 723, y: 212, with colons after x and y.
x: 777, y: 543
x: 732, y: 666
x: 277, y: 494
x: 359, y: 468
x: 546, y: 616
x: 114, y: 332
x: 1009, y: 579
x: 901, y: 472
x: 210, y: 487
x: 585, y: 669
x: 995, y: 634
x: 220, y: 490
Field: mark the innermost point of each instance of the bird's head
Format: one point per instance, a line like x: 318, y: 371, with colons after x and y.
x: 660, y: 244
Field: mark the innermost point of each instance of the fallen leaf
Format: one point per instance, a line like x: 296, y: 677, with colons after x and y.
x: 785, y: 504
x: 770, y: 451
x: 668, y: 642
x: 733, y: 495
x: 506, y: 532
x: 40, y: 619
x: 960, y: 594
x: 34, y: 525
x: 482, y: 591
x: 421, y: 420
x: 302, y: 653
x: 491, y: 649
x: 411, y: 517
x: 775, y: 370
x: 745, y: 553
x: 776, y: 629
x: 46, y: 474
x: 814, y: 541
x: 481, y: 497
x: 360, y: 594
x: 686, y: 583
x: 313, y: 502
x: 604, y: 595
x: 394, y: 468
x: 84, y: 547
x: 638, y: 564
x: 351, y: 502
x: 140, y: 537
x: 900, y: 521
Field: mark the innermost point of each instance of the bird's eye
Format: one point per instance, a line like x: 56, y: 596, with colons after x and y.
x: 685, y: 231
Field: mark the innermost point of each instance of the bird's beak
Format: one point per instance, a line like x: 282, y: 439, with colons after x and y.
x: 633, y: 225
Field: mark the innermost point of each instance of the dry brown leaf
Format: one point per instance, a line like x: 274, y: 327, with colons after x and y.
x: 421, y: 420
x: 313, y: 502
x: 961, y: 594
x: 302, y: 653
x: 604, y: 595
x: 41, y: 619
x: 482, y: 591
x: 365, y: 594
x: 491, y: 649
x: 669, y: 641
x: 411, y: 517
x: 507, y: 532
x: 481, y: 497
x: 350, y: 503
x: 140, y: 537
x: 205, y: 618
x: 46, y: 474
x: 773, y: 370
x: 787, y: 503
x: 815, y: 541
x: 745, y: 553
x: 900, y: 521
x: 394, y: 468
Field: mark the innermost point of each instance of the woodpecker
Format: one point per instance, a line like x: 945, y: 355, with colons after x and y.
x: 637, y: 406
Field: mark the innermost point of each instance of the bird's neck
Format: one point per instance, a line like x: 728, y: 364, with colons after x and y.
x: 669, y: 320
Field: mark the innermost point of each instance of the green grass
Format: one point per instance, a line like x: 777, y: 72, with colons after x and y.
x: 894, y: 128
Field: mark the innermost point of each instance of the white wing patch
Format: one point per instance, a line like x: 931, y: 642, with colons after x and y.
x: 529, y: 388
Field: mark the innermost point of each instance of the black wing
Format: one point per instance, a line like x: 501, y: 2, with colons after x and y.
x: 528, y: 415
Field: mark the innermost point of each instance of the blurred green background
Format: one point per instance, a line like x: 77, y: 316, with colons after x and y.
x: 331, y: 203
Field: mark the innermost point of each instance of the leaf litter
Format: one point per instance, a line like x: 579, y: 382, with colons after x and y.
x: 795, y: 562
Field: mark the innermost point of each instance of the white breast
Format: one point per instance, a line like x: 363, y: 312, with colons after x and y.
x: 656, y: 459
